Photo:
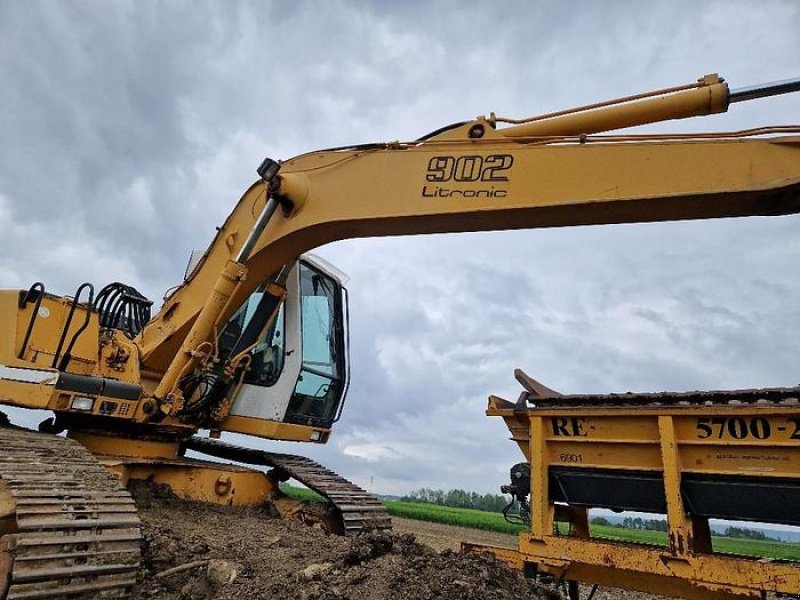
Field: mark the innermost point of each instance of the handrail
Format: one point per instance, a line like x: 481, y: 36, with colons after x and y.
x: 23, y: 301
x: 67, y: 355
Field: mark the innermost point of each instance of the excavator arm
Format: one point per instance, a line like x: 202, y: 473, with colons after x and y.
x: 478, y: 176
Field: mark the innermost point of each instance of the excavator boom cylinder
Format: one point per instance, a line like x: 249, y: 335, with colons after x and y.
x: 708, y: 96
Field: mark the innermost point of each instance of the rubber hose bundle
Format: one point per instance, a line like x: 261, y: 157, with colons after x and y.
x: 122, y: 307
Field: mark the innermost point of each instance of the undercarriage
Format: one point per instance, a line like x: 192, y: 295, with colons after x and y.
x: 69, y: 528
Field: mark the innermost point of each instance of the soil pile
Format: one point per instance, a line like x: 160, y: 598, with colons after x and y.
x: 200, y: 552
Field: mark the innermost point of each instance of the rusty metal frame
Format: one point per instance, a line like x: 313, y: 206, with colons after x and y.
x: 659, y: 437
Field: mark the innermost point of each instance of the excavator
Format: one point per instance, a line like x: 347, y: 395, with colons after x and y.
x: 254, y: 341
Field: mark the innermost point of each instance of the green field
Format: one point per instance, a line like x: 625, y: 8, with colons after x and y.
x: 476, y: 519
x: 746, y: 547
x: 301, y: 493
x: 462, y: 517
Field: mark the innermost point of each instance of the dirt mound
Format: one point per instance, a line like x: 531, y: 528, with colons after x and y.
x: 200, y: 552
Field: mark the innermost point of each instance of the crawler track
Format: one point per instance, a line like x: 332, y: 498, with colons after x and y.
x: 67, y: 528
x: 359, y: 509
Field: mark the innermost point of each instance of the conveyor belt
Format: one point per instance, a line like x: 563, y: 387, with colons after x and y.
x: 67, y: 528
x: 359, y: 509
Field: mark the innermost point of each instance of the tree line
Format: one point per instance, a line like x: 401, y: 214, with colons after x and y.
x: 458, y: 499
x: 661, y: 525
x: 744, y: 532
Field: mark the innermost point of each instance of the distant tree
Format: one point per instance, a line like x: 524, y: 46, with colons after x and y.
x: 602, y: 521
x: 661, y: 525
x: 649, y: 524
x: 746, y: 533
x: 457, y: 498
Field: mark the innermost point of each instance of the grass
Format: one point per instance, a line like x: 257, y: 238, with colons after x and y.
x: 728, y: 545
x: 487, y: 521
x: 301, y: 493
x: 462, y: 517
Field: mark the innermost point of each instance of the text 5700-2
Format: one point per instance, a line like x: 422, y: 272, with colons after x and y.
x: 741, y: 428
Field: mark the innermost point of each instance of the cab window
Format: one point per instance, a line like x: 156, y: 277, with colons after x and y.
x: 320, y: 386
x: 248, y: 327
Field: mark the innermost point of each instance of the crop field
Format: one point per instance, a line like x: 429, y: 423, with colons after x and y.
x: 729, y: 545
x: 462, y: 517
x: 477, y: 519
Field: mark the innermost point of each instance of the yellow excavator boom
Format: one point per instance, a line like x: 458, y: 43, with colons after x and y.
x: 476, y: 177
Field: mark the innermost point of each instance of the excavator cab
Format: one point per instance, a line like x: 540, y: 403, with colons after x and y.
x: 298, y: 371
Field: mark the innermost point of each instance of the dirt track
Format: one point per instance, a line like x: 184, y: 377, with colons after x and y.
x: 233, y: 553
x: 446, y: 537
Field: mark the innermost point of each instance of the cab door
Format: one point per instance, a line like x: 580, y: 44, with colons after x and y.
x: 298, y: 372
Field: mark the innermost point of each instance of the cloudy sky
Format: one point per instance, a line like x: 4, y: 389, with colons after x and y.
x: 130, y: 129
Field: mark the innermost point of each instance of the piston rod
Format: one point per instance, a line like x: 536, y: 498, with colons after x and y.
x: 268, y: 170
x: 764, y: 90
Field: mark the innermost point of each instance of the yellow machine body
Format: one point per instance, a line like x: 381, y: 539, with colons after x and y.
x: 690, y: 462
x: 134, y: 390
x: 30, y: 367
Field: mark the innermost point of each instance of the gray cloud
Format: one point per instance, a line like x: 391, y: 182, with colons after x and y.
x: 130, y: 129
